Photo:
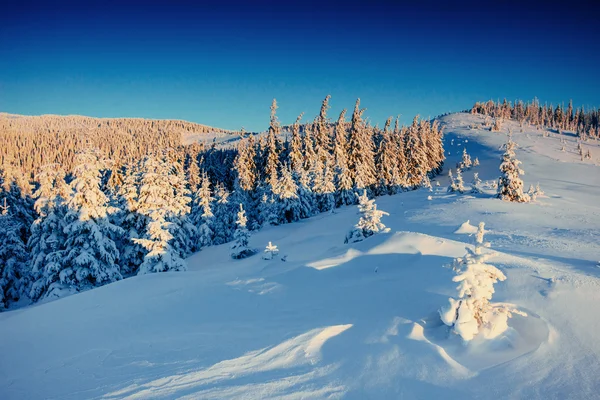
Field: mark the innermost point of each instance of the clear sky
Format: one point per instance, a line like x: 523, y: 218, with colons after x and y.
x: 221, y: 62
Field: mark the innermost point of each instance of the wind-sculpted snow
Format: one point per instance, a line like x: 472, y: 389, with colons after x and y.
x: 355, y: 320
x: 296, y: 352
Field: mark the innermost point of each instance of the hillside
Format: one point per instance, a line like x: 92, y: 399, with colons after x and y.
x: 32, y: 141
x: 353, y: 321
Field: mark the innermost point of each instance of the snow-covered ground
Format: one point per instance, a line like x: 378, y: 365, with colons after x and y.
x: 354, y: 321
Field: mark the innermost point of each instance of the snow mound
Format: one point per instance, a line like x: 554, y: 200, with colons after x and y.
x: 466, y: 229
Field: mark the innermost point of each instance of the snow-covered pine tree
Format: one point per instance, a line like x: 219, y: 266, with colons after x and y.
x: 361, y: 154
x: 240, y: 247
x: 476, y: 184
x: 202, y: 215
x: 14, y: 190
x: 47, y: 231
x: 157, y: 202
x: 90, y: 253
x: 369, y: 222
x: 295, y: 152
x: 286, y: 205
x: 182, y: 229
x: 476, y: 162
x: 322, y: 134
x: 471, y: 312
x: 132, y: 222
x: 323, y: 185
x: 343, y: 179
x: 306, y: 197
x: 13, y: 260
x: 272, y: 150
x: 386, y: 162
x: 224, y: 215
x: 466, y: 162
x: 416, y: 157
x: 456, y: 182
x: 510, y: 185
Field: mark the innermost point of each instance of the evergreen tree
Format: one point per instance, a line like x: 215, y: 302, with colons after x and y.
x: 510, y: 185
x: 369, y: 222
x: 202, y: 217
x: 343, y: 178
x: 90, y: 255
x: 295, y: 154
x: 13, y: 260
x: 158, y: 203
x: 223, y: 220
x: 387, y: 162
x: 361, y: 162
x: 47, y: 231
x: 240, y: 247
x: 471, y: 311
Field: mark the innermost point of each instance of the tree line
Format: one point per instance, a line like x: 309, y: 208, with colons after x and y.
x: 99, y: 221
x: 585, y: 123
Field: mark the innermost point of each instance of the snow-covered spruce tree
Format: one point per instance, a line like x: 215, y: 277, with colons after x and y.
x: 240, y: 247
x: 132, y: 222
x: 476, y: 184
x: 361, y: 160
x: 465, y: 162
x: 286, y: 205
x: 47, y: 231
x: 272, y: 149
x: 90, y: 253
x: 471, y: 312
x: 343, y: 179
x: 456, y: 182
x: 324, y: 186
x: 182, y: 229
x: 15, y: 190
x: 476, y: 162
x: 13, y: 260
x: 306, y: 196
x: 202, y: 215
x: 369, y: 222
x: 416, y: 157
x: 157, y: 202
x: 510, y: 185
x: 224, y: 215
x: 295, y: 149
x: 386, y: 161
x: 322, y: 133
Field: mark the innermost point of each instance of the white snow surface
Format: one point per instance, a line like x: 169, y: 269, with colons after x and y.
x: 342, y: 320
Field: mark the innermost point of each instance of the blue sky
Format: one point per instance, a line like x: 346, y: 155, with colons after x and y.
x: 221, y: 62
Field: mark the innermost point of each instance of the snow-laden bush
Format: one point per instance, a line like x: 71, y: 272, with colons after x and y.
x: 369, y: 222
x: 471, y: 312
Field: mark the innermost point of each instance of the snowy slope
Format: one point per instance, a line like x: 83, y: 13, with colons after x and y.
x: 354, y: 321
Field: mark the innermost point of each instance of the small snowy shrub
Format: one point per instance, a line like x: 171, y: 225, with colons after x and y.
x: 270, y: 251
x: 471, y: 312
x: 370, y: 220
